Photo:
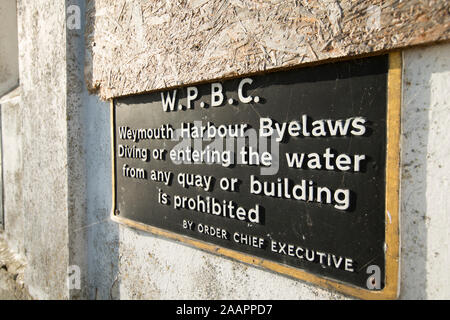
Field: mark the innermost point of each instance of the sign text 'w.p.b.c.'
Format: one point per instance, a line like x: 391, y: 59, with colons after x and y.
x: 286, y: 167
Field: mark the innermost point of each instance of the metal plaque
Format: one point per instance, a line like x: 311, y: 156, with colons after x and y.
x: 294, y: 171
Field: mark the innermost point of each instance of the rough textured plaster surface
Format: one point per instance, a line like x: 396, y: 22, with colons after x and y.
x: 9, y: 67
x: 154, y: 268
x: 93, y: 238
x: 125, y: 263
x: 425, y: 164
x: 129, y: 264
x: 77, y: 170
x: 103, y: 234
x: 42, y: 69
x: 136, y: 46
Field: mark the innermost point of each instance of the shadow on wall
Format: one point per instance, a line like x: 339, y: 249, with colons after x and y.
x: 419, y: 220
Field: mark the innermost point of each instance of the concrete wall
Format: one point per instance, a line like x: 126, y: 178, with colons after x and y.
x: 137, y: 46
x: 147, y: 267
x: 9, y: 67
x: 47, y: 122
x: 12, y: 165
x: 425, y: 206
x: 56, y: 145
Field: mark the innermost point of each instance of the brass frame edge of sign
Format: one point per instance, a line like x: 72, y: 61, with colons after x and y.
x: 392, y: 231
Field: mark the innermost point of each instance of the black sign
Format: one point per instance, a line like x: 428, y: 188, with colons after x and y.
x: 288, y: 166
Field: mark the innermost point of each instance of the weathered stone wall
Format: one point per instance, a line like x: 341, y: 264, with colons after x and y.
x: 12, y: 286
x: 9, y: 67
x: 137, y: 46
x: 12, y: 167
